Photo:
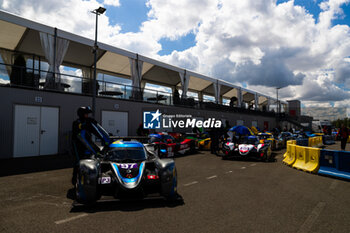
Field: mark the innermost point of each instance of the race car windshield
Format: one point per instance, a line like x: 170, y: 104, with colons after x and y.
x: 249, y: 140
x: 127, y: 154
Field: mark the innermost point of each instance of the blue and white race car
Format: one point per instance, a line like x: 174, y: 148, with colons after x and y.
x: 248, y: 146
x: 127, y: 169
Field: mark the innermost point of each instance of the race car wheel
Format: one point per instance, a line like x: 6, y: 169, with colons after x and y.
x: 78, y: 188
x: 173, y: 195
x: 81, y: 194
x: 265, y: 157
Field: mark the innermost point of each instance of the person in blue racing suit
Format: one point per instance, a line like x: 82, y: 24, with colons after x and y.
x: 83, y: 146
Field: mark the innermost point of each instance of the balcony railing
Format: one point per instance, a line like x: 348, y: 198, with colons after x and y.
x: 15, y: 76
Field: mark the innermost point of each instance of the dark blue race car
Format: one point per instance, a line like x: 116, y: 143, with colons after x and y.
x: 127, y: 169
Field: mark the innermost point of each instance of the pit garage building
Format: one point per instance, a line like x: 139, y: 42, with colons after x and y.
x: 47, y: 73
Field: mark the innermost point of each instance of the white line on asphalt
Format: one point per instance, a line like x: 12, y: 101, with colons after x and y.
x: 307, y: 225
x: 192, y: 183
x: 333, y: 185
x: 70, y: 219
x: 243, y: 167
x: 211, y: 177
x: 228, y: 172
x: 253, y: 164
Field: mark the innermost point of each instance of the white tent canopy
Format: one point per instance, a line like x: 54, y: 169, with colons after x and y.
x: 23, y: 35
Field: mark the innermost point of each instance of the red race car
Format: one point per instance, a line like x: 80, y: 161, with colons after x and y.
x: 169, y: 147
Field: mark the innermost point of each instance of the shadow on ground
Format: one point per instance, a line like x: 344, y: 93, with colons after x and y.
x: 251, y: 159
x: 15, y: 166
x: 127, y: 205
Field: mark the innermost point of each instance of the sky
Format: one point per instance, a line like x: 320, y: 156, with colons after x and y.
x: 300, y: 46
x: 330, y: 114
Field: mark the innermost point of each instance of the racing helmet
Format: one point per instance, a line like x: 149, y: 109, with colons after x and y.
x: 84, y: 110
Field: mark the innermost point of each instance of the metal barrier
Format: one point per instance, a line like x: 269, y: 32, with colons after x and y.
x: 335, y: 163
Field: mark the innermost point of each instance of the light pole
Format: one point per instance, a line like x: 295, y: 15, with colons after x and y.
x: 278, y: 105
x: 97, y: 12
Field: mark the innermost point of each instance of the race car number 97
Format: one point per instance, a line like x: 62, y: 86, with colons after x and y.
x: 128, y: 165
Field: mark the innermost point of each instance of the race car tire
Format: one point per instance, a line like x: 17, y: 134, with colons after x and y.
x: 265, y: 157
x: 172, y: 196
x: 83, y: 193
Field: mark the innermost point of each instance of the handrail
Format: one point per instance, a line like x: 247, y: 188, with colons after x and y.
x: 115, y: 90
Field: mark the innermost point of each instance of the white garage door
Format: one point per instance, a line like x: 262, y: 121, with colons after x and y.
x: 49, y: 131
x: 36, y: 131
x: 27, y: 126
x: 116, y: 123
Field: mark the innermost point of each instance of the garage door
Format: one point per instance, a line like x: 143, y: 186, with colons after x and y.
x: 27, y: 126
x: 35, y: 131
x: 48, y: 131
x: 116, y: 123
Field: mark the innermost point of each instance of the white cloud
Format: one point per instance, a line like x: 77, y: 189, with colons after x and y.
x: 111, y: 2
x: 325, y: 112
x: 70, y: 15
x: 268, y: 45
x: 4, y: 81
x: 253, y: 41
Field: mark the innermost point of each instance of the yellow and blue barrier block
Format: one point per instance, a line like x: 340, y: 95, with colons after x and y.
x: 315, y: 160
x: 307, y: 159
x: 290, y: 155
x: 335, y: 163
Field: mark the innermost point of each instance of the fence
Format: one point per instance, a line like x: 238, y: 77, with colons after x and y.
x: 21, y: 76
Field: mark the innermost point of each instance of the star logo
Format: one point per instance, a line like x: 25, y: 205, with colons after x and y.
x: 151, y: 120
x: 156, y: 115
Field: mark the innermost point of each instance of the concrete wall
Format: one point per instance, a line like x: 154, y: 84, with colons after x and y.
x: 69, y: 103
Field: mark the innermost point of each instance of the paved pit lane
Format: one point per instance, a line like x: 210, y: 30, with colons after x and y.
x: 218, y: 196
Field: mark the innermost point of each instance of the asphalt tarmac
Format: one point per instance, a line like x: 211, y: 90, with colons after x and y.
x: 218, y: 196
